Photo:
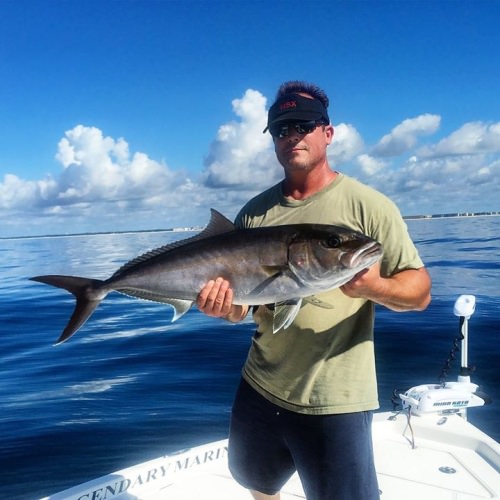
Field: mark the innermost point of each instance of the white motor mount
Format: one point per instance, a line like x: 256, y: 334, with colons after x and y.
x: 449, y: 397
x: 453, y: 397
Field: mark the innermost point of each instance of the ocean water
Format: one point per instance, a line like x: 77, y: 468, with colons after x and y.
x: 132, y: 386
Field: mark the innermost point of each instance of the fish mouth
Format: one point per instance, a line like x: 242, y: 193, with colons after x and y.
x: 363, y: 257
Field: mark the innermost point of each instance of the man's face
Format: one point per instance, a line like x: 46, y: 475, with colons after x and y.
x: 303, y: 151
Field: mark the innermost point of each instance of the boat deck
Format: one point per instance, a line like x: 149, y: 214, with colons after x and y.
x: 435, y: 458
x: 450, y: 460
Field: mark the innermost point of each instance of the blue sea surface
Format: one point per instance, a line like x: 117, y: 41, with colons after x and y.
x: 131, y: 386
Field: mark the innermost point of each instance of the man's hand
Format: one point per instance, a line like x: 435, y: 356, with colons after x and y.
x: 216, y: 299
x: 364, y: 284
x: 407, y: 290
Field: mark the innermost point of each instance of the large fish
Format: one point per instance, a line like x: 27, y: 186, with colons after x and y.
x: 278, y: 265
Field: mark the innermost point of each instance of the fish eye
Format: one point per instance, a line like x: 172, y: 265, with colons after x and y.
x: 332, y: 242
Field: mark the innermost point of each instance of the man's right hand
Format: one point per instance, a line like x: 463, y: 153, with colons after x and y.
x: 216, y: 299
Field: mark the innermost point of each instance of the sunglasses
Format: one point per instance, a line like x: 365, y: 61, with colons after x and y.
x: 280, y: 130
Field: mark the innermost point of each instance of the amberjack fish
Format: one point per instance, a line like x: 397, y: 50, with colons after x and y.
x: 278, y: 265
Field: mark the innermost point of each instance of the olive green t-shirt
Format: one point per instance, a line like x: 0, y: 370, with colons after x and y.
x: 324, y: 362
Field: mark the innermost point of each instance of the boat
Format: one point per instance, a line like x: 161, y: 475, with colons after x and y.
x: 427, y: 449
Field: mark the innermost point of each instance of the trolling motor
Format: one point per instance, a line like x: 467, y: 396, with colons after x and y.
x: 450, y: 397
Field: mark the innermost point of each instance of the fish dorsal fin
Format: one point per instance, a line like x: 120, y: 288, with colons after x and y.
x: 218, y: 224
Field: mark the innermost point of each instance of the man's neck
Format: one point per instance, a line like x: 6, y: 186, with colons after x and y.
x: 300, y: 187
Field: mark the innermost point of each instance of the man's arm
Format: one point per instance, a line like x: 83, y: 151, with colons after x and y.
x: 407, y: 290
x: 216, y: 299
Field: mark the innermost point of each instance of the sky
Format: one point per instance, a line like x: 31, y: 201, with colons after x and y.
x: 121, y: 115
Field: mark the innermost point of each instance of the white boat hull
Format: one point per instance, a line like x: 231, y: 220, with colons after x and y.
x: 449, y: 459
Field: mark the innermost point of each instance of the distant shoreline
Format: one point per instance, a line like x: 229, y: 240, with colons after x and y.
x: 452, y: 215
x: 193, y: 229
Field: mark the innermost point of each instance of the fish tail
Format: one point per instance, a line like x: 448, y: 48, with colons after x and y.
x: 88, y: 296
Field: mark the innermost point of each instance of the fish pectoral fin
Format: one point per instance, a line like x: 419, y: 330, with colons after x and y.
x: 273, y: 270
x: 284, y: 313
x: 262, y: 286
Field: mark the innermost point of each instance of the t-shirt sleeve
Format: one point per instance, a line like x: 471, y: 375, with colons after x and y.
x: 389, y: 228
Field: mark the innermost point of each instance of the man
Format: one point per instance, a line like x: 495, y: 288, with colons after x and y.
x: 307, y: 393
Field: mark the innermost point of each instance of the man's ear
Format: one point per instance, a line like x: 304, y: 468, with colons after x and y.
x: 329, y: 132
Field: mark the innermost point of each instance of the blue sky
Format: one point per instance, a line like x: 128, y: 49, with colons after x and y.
x: 125, y: 115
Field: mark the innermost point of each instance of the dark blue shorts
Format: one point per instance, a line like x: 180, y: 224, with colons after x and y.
x: 333, y: 454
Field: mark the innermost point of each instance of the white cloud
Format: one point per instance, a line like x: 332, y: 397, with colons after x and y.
x: 441, y: 185
x: 241, y: 156
x: 102, y: 185
x: 471, y: 138
x: 370, y: 165
x: 347, y: 143
x: 404, y: 136
x: 459, y: 172
x: 15, y: 192
x: 98, y: 167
